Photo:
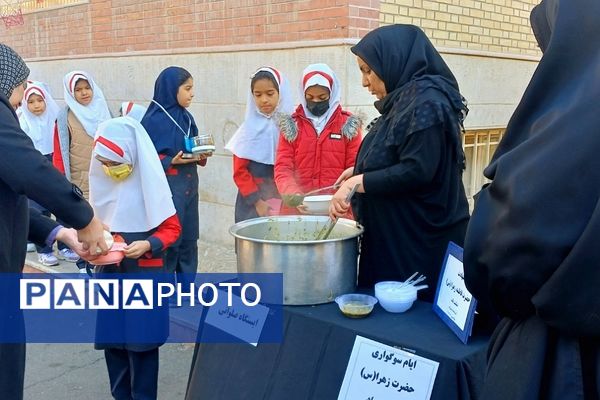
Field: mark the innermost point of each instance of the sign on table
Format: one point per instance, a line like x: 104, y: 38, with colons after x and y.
x: 453, y: 303
x: 238, y: 319
x: 377, y: 371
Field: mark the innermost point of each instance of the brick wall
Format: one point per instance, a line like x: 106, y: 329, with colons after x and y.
x: 108, y: 26
x: 364, y: 17
x: 489, y: 25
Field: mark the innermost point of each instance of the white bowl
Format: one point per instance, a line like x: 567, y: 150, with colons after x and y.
x: 318, y: 204
x: 393, y: 298
x: 207, y: 148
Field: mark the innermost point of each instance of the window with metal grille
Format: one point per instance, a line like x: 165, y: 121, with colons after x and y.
x: 479, y: 146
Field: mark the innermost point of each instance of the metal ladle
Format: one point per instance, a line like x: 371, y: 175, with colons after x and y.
x: 335, y: 186
x: 298, y: 199
x: 328, y: 227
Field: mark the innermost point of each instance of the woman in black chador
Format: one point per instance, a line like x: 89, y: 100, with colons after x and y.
x: 531, y: 250
x: 410, y: 200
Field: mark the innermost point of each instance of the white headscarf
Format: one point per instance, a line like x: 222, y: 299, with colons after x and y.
x: 39, y: 128
x: 257, y: 138
x: 143, y: 200
x: 135, y: 111
x: 94, y: 113
x: 322, y: 75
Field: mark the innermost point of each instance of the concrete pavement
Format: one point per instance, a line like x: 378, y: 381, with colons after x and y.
x: 77, y: 371
x: 211, y: 258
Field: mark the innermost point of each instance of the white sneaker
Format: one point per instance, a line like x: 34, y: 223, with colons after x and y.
x: 68, y: 255
x: 47, y: 259
x: 30, y: 247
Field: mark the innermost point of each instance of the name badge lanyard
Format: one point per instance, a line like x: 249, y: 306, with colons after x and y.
x: 187, y: 135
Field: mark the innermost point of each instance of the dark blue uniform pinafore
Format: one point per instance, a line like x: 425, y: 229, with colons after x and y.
x: 182, y: 256
x: 167, y: 124
x: 133, y: 367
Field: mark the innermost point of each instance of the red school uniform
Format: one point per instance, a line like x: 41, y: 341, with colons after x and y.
x: 307, y: 161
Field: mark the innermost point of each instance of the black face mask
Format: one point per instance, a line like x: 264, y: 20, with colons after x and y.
x: 317, y: 108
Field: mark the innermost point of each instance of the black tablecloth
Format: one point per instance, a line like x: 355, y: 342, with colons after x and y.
x: 311, y: 361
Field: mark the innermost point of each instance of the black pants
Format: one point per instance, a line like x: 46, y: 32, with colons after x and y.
x: 133, y: 374
x: 12, y: 367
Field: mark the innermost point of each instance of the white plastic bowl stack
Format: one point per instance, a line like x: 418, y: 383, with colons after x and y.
x: 318, y: 204
x: 395, y: 297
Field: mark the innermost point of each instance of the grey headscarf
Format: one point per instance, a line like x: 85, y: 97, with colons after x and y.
x: 13, y: 70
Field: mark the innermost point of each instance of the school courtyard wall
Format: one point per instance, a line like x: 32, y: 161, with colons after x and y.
x: 58, y: 28
x: 233, y: 42
x: 500, y: 26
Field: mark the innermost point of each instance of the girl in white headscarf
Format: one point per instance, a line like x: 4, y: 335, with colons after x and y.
x: 37, y: 116
x: 129, y: 189
x: 74, y: 135
x: 318, y: 142
x: 254, y: 144
x: 76, y: 126
x: 130, y: 109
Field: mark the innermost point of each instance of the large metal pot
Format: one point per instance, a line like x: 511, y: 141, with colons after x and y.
x: 314, y: 271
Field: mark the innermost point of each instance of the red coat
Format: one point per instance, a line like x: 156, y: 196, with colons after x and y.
x: 247, y: 183
x: 57, y: 158
x: 306, y: 161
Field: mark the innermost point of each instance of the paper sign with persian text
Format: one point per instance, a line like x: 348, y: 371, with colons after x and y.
x: 380, y: 372
x: 239, y: 320
x: 453, y: 303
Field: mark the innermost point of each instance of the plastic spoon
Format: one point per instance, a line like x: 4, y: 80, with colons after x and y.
x: 407, y: 281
